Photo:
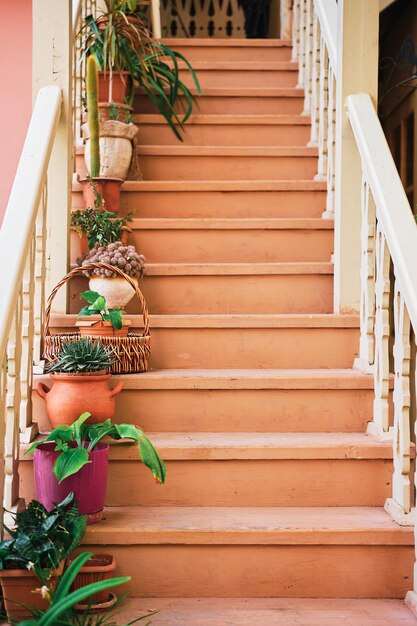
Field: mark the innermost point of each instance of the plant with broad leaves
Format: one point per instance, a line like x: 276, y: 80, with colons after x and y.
x: 41, y: 539
x: 61, y: 611
x: 75, y: 442
x: 82, y: 356
x: 97, y: 306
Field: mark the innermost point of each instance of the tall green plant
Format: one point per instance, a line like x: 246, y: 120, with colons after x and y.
x: 93, y: 115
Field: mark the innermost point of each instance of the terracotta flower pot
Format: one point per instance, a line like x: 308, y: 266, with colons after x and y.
x: 109, y: 188
x: 114, y: 88
x: 73, y: 394
x: 88, y: 485
x: 115, y: 148
x: 99, y: 567
x: 19, y: 585
x: 117, y: 291
x: 88, y: 328
x: 79, y: 245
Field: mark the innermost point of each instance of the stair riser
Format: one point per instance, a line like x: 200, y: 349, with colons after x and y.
x: 241, y: 483
x: 233, y: 246
x: 241, y: 53
x: 224, y: 135
x: 265, y: 571
x: 177, y: 204
x: 229, y: 105
x: 225, y: 348
x: 241, y: 78
x: 196, y: 167
x: 306, y: 293
x: 239, y: 410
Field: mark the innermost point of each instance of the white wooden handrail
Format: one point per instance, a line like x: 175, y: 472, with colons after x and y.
x: 20, y: 217
x: 327, y: 14
x: 393, y: 208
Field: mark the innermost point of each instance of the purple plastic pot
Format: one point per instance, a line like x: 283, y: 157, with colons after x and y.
x: 89, y: 484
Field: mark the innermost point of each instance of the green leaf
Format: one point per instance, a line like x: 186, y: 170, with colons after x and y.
x: 148, y: 454
x: 90, y: 296
x: 60, y: 433
x: 99, y: 304
x: 86, y: 311
x: 115, y: 317
x: 76, y: 427
x: 70, y: 462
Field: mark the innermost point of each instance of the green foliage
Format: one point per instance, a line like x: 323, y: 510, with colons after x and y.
x: 101, y: 227
x: 82, y: 356
x: 93, y: 119
x: 41, y: 539
x: 97, y: 306
x: 119, y: 41
x: 75, y: 442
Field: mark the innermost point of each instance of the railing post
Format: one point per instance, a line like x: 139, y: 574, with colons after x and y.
x: 52, y: 65
x: 357, y: 59
x: 156, y: 19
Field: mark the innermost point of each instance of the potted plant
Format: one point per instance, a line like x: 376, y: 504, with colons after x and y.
x: 65, y: 601
x: 74, y: 459
x: 34, y: 555
x: 80, y: 377
x: 117, y: 291
x: 112, y: 323
x: 98, y: 567
x: 96, y: 225
x: 127, y: 54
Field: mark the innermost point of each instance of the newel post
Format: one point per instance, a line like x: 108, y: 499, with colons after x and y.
x: 357, y: 71
x: 52, y: 65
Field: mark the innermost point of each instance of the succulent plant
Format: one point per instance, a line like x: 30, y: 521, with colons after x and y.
x: 124, y: 257
x: 82, y: 356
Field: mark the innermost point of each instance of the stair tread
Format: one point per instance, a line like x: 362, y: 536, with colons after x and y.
x: 256, y: 446
x: 188, y: 223
x: 237, y: 151
x: 246, y: 379
x: 295, y: 320
x: 257, y: 66
x: 268, y: 611
x: 246, y: 92
x: 248, y: 525
x: 233, y: 269
x: 218, y: 118
x: 226, y: 42
x: 219, y: 185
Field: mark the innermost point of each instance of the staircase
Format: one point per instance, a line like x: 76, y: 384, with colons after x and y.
x: 275, y: 493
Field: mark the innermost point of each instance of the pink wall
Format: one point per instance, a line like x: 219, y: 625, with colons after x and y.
x: 15, y: 90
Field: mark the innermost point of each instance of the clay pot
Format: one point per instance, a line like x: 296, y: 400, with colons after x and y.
x: 108, y: 187
x: 115, y: 89
x: 117, y: 291
x: 99, y: 567
x: 88, y: 485
x: 73, y: 394
x: 79, y: 245
x: 115, y: 148
x: 101, y: 329
x: 18, y: 585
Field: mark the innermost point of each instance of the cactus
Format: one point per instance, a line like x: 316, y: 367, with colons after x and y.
x: 93, y: 121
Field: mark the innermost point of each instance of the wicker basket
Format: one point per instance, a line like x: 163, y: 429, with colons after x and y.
x: 131, y: 353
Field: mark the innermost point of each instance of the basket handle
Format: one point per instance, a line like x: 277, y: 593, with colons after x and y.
x: 92, y: 266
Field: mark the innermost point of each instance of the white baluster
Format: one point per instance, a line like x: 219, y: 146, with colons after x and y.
x: 296, y: 31
x: 323, y: 111
x: 331, y: 144
x: 315, y: 83
x: 308, y: 56
x: 302, y: 43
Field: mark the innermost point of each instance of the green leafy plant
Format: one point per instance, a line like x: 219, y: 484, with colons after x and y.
x: 41, y: 539
x: 82, y: 356
x: 61, y: 610
x: 100, y: 227
x: 120, y: 41
x: 97, y: 306
x: 75, y: 443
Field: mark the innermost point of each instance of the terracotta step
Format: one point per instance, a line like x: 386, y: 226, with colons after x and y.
x: 355, y: 552
x: 228, y: 130
x: 250, y: 469
x: 241, y: 400
x: 224, y: 163
x: 268, y: 612
x: 200, y: 49
x: 240, y: 74
x: 180, y: 199
x: 243, y: 101
x: 212, y: 240
x: 257, y: 341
